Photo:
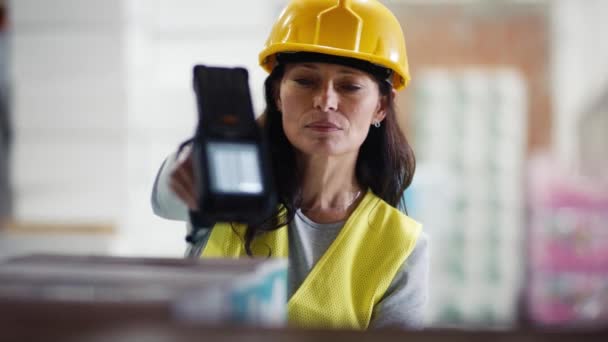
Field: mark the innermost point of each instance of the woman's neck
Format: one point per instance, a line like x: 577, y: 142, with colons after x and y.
x: 330, y: 190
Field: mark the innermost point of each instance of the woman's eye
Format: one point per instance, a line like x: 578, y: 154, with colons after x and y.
x: 304, y: 82
x: 350, y: 87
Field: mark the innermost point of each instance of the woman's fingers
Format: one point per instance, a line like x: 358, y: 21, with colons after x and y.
x: 187, y: 172
x: 184, y: 193
x: 182, y: 182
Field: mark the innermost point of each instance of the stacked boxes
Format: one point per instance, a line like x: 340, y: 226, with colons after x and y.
x: 469, y: 139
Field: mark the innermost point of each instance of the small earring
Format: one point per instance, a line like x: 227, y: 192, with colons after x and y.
x: 377, y: 124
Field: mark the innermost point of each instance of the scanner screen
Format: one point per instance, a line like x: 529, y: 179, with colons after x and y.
x: 234, y: 168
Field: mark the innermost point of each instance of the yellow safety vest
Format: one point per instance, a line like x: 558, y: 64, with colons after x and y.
x: 351, y: 277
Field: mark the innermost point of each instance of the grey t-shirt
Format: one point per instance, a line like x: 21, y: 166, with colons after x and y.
x: 404, y: 301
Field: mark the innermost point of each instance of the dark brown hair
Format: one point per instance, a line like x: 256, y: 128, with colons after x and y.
x: 385, y: 163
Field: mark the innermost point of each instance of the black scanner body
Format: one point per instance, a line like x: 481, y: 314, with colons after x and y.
x: 231, y: 162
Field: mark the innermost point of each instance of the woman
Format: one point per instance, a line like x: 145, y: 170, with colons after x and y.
x: 340, y: 164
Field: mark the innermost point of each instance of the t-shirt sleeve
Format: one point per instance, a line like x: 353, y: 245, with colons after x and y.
x: 403, y: 304
x: 164, y: 202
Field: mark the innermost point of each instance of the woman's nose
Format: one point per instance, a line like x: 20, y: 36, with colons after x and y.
x: 326, y: 99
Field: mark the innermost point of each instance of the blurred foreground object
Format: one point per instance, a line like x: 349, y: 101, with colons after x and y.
x: 6, y: 200
x: 68, y: 298
x: 568, y: 250
x: 236, y: 292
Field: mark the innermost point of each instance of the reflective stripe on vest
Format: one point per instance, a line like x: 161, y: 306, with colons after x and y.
x: 350, y: 278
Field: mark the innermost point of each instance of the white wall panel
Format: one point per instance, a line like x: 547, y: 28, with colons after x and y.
x: 213, y: 17
x: 164, y: 110
x: 176, y: 58
x: 66, y: 55
x: 93, y: 105
x: 64, y: 204
x: 82, y: 14
x: 70, y: 162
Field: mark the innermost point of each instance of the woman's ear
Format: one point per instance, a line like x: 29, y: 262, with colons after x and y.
x: 383, y: 106
x: 379, y: 116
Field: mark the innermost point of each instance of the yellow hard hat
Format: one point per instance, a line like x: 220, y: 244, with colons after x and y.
x: 360, y: 29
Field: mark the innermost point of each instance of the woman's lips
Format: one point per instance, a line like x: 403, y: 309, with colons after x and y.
x: 323, y: 126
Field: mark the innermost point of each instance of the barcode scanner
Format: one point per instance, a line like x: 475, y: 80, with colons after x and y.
x: 230, y: 160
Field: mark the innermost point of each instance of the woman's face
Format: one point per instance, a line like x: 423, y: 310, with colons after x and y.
x: 328, y: 108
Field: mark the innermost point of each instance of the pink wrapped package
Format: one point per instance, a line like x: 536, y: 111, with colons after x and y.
x: 567, y: 282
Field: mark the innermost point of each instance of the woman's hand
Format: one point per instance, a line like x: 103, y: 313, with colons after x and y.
x: 181, y: 179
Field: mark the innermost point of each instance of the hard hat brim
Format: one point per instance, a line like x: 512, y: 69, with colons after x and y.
x: 268, y: 60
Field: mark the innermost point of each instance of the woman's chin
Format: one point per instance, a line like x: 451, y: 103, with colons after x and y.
x: 322, y: 149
